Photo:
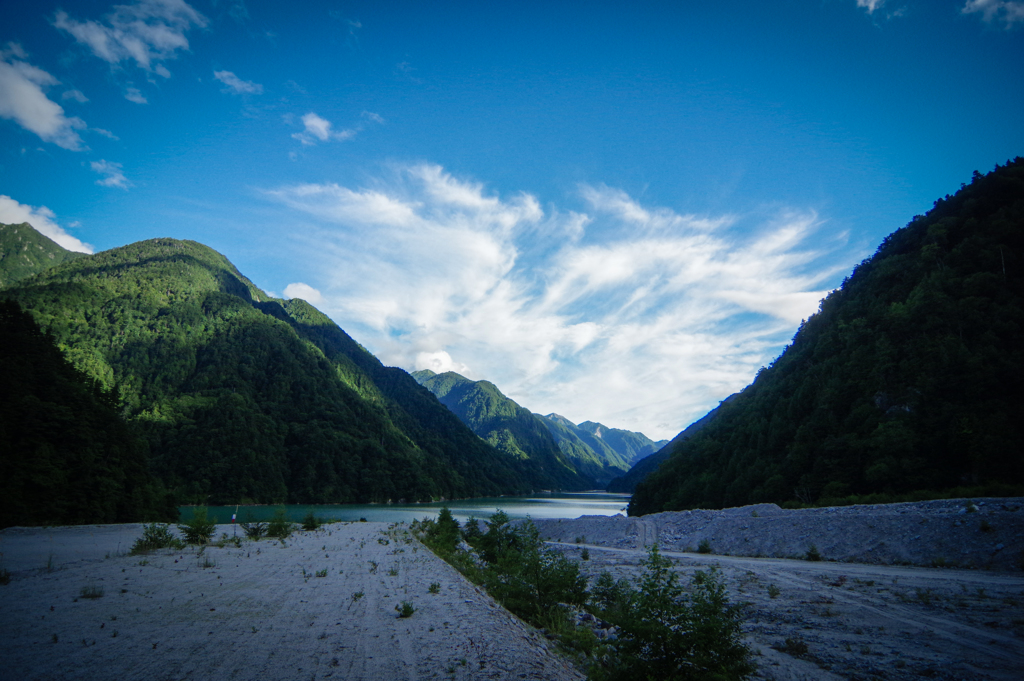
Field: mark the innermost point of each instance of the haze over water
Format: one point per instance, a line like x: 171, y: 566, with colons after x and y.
x: 537, y: 506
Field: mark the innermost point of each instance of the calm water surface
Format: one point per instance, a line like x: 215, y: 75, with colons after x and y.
x: 571, y: 505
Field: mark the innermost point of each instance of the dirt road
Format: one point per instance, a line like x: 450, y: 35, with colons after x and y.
x: 823, y: 620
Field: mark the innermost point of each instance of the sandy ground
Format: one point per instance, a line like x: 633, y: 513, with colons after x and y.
x: 256, y: 612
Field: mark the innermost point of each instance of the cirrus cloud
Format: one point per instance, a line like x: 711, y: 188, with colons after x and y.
x: 236, y: 85
x: 639, y: 316
x: 146, y: 32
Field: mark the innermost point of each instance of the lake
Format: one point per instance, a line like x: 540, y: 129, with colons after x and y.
x: 568, y: 505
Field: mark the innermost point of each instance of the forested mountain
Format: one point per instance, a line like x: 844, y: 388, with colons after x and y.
x: 908, y: 380
x: 506, y: 425
x: 24, y: 252
x: 66, y: 456
x: 643, y: 467
x: 603, y: 453
x: 238, y: 397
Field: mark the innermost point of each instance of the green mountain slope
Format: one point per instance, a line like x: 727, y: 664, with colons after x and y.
x: 506, y: 425
x: 909, y: 379
x: 602, y: 464
x: 66, y: 457
x: 604, y: 453
x: 631, y: 446
x: 24, y: 252
x: 243, y: 398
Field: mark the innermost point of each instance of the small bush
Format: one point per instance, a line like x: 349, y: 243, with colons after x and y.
x: 356, y: 596
x: 773, y: 591
x: 794, y: 645
x: 279, y: 527
x: 585, y: 554
x: 311, y: 523
x: 405, y: 609
x: 199, y: 529
x: 156, y: 536
x: 984, y: 526
x: 91, y: 592
x: 812, y: 554
x: 321, y: 573
x: 253, y: 530
x: 435, y: 587
x: 704, y: 546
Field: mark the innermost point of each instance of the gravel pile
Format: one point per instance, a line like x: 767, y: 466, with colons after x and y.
x: 983, y: 533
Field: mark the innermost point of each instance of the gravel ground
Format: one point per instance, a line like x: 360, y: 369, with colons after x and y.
x: 986, y: 533
x: 880, y: 618
x: 260, y: 611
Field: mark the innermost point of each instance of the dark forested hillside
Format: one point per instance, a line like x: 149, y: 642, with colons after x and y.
x: 908, y: 381
x: 239, y: 397
x: 644, y: 466
x: 506, y: 425
x: 24, y: 252
x: 66, y: 457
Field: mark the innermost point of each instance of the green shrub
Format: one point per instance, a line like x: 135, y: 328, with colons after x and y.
x: 311, y: 523
x: 812, y: 554
x: 704, y: 546
x: 279, y: 527
x: 405, y: 609
x: 435, y: 587
x: 156, y: 536
x: 667, y: 633
x: 199, y: 529
x: 254, y: 530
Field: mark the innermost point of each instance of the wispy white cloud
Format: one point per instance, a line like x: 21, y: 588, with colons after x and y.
x: 76, y: 95
x: 23, y: 99
x: 303, y: 291
x: 319, y: 129
x: 870, y: 5
x: 146, y: 33
x: 639, y: 316
x: 113, y: 172
x: 1009, y: 12
x: 133, y: 94
x: 236, y: 85
x: 44, y: 221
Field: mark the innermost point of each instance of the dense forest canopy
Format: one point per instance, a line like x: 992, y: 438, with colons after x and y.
x: 907, y: 381
x: 66, y: 456
x: 242, y: 398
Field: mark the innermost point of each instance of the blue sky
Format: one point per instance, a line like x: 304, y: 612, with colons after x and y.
x: 615, y: 211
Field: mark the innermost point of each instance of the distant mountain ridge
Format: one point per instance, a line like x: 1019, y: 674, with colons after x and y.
x: 240, y: 397
x: 605, y: 453
x: 506, y: 425
x: 594, y: 451
x: 908, y: 381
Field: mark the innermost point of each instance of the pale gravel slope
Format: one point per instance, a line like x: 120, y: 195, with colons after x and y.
x: 924, y: 533
x: 253, y: 615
